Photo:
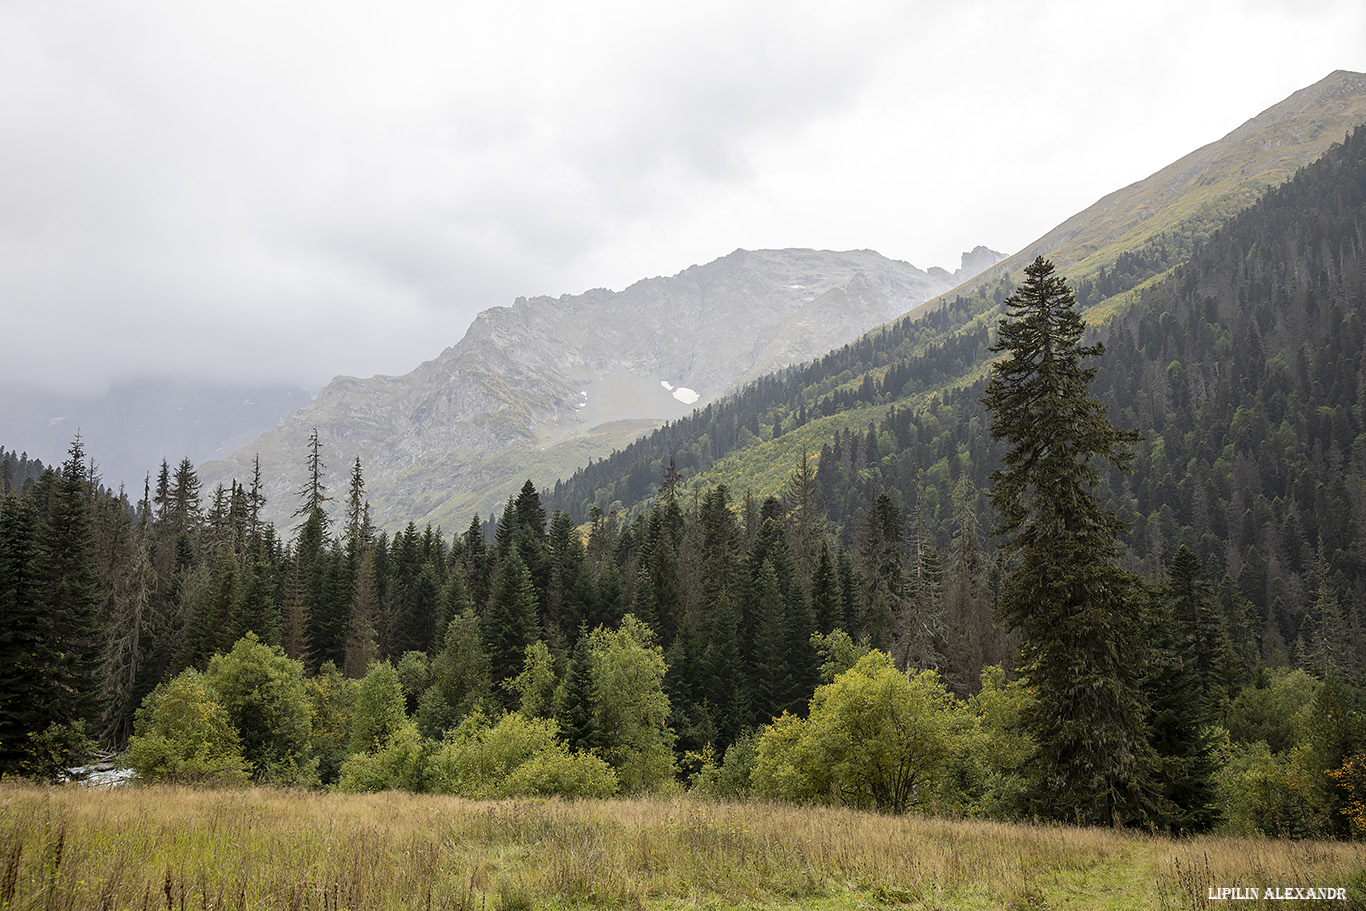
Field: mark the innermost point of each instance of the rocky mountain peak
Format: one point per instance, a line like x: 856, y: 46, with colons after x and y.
x: 549, y: 374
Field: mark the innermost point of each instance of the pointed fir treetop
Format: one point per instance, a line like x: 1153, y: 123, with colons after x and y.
x: 313, y: 493
x: 1038, y: 393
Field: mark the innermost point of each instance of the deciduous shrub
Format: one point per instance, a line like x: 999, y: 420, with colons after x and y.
x: 876, y: 738
x: 263, y: 692
x: 184, y: 736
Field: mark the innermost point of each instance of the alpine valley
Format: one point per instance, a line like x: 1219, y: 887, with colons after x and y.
x: 544, y: 386
x: 1078, y: 535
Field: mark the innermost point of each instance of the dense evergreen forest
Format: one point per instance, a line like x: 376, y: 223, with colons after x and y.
x: 842, y: 640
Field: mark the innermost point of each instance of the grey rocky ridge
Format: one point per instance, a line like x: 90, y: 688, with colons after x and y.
x: 538, y: 388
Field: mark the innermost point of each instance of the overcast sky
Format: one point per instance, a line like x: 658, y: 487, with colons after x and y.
x: 286, y: 190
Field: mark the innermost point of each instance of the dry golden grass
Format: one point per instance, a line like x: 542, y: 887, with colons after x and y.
x: 166, y: 848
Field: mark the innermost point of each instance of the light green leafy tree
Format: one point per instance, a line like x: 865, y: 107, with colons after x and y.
x: 333, y: 699
x: 460, y: 677
x: 535, y: 685
x: 561, y: 772
x: 415, y: 676
x: 875, y: 738
x: 630, y: 706
x: 264, y: 694
x: 379, y: 709
x: 837, y: 652
x: 998, y: 757
x: 401, y: 761
x: 1266, y: 793
x: 184, y: 736
x: 1272, y: 711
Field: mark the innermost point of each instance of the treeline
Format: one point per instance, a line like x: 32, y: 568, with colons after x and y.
x: 17, y: 471
x: 732, y: 593
x: 733, y: 648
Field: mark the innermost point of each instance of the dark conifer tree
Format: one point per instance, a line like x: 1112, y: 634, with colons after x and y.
x: 455, y: 598
x: 476, y: 558
x: 971, y: 639
x: 689, y: 715
x: 509, y: 625
x: 532, y: 543
x: 257, y: 608
x: 26, y: 643
x: 826, y: 603
x: 1326, y: 642
x: 1180, y: 703
x: 331, y: 608
x: 803, y: 665
x: 303, y: 591
x: 506, y: 532
x: 856, y: 624
x: 644, y: 604
x: 414, y: 593
x: 806, y: 517
x: 359, y: 531
x: 1200, y: 631
x: 185, y: 511
x: 362, y: 634
x: 724, y: 678
x: 313, y: 493
x: 882, y: 571
x: 69, y: 596
x: 666, y: 594
x: 128, y: 620
x: 256, y: 500
x: 919, y: 637
x: 530, y: 513
x: 609, y: 600
x: 567, y: 561
x: 770, y: 681
x: 210, y: 618
x: 1081, y: 616
x: 602, y: 537
x: 162, y: 500
x: 575, y: 703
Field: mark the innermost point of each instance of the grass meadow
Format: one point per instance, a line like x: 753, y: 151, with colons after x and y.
x: 171, y: 848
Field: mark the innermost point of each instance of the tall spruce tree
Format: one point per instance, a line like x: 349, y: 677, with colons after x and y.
x: 574, y: 709
x: 1081, y: 616
x: 26, y: 646
x: 313, y: 493
x: 69, y: 595
x: 826, y: 603
x: 509, y: 624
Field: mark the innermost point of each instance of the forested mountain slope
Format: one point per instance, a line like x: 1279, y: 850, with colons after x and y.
x: 1243, y: 370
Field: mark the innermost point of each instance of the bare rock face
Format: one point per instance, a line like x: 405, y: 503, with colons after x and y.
x: 975, y: 262
x: 548, y: 371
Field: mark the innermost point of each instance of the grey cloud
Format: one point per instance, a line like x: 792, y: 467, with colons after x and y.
x: 301, y: 188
